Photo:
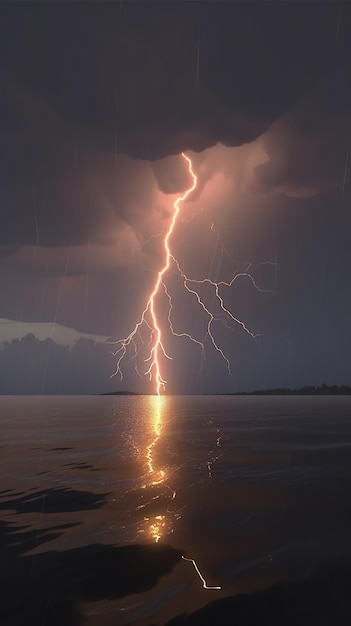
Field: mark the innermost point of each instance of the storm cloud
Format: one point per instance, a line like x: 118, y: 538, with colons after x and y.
x: 308, y: 147
x: 98, y: 100
x: 81, y: 87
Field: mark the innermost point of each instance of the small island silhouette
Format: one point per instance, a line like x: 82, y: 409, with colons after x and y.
x: 121, y: 393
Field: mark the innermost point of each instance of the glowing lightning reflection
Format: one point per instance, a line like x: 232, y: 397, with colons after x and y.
x: 156, y: 436
x: 204, y: 583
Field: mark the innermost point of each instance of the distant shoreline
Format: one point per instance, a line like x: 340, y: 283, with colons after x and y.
x: 122, y: 393
x: 322, y: 390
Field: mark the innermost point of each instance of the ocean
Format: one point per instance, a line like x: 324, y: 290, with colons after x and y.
x: 143, y: 510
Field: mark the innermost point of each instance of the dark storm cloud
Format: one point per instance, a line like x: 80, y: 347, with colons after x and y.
x: 29, y: 365
x: 137, y: 65
x: 145, y: 79
x: 309, y: 147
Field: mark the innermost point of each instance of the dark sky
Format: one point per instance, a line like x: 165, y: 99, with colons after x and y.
x: 98, y: 100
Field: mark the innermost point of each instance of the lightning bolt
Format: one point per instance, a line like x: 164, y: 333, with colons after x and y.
x: 157, y: 349
x: 149, y: 317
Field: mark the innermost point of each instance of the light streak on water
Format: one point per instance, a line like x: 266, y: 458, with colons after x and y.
x: 204, y: 583
x: 161, y: 524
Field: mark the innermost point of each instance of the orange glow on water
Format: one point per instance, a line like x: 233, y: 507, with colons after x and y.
x: 157, y: 410
x: 157, y: 525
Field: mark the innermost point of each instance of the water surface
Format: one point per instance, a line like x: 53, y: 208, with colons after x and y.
x: 255, y: 489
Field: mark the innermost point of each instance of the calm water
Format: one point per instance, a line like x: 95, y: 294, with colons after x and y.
x: 255, y: 489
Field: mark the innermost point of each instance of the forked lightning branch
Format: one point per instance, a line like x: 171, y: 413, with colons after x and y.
x: 150, y: 319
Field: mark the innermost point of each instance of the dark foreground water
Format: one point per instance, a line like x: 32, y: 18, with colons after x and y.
x: 101, y: 497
